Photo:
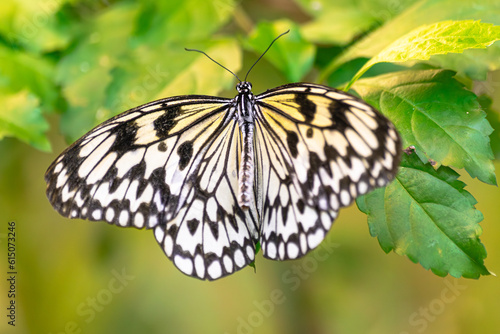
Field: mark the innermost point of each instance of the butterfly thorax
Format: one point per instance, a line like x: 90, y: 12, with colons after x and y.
x: 245, y: 104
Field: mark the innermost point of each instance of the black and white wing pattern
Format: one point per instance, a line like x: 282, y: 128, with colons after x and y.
x: 317, y: 150
x: 213, y: 177
x: 172, y: 166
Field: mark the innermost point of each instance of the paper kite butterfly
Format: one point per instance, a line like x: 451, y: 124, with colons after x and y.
x: 213, y: 177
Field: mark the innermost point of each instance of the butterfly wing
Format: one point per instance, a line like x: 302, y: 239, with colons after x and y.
x: 165, y: 165
x: 318, y: 149
x: 212, y: 237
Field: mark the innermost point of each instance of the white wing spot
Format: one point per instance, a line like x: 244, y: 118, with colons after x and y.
x: 139, y: 220
x: 110, y: 214
x: 271, y: 250
x: 199, y: 265
x: 58, y: 167
x: 345, y: 198
x: 228, y: 264
x: 214, y: 270
x: 326, y: 220
x: 184, y: 264
x: 281, y: 250
x: 303, y: 243
x: 250, y: 253
x: 97, y: 214
x: 293, y: 250
x: 123, y: 219
x: 314, y: 239
x: 168, y: 245
x: 362, y: 187
x: 159, y: 234
x: 239, y: 258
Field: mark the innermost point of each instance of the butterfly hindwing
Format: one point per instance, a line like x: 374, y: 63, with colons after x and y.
x: 212, y: 236
x: 320, y: 148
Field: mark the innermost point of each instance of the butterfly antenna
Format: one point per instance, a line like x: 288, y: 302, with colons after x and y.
x: 224, y: 67
x: 262, y: 55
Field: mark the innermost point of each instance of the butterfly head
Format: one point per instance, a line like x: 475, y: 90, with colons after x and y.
x: 244, y: 87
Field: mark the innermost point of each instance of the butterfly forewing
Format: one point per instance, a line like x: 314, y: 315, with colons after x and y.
x: 319, y: 149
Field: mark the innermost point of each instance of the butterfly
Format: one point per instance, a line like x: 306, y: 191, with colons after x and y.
x: 214, y: 177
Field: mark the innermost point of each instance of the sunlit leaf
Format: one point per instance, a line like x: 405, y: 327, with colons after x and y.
x: 21, y: 117
x: 423, y: 12
x: 34, y: 24
x: 22, y: 71
x: 439, y: 38
x: 341, y: 21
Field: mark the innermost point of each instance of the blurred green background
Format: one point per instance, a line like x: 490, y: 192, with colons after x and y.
x: 72, y: 64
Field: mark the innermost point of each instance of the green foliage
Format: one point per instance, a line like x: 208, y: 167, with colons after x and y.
x: 438, y: 38
x: 91, y: 60
x: 20, y: 116
x: 429, y: 107
x: 426, y: 215
x: 292, y: 55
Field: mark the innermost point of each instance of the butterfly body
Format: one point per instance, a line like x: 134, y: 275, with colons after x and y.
x: 245, y: 102
x: 215, y: 176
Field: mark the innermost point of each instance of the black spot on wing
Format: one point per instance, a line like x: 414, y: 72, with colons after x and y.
x: 337, y: 111
x: 193, y: 225
x: 292, y: 140
x: 214, y: 227
x: 166, y: 122
x: 162, y: 147
x: 185, y: 152
x: 307, y: 107
x: 301, y: 205
x: 125, y: 137
x: 309, y: 133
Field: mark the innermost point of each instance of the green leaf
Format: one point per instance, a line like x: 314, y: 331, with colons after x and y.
x: 436, y: 114
x: 34, y: 24
x: 473, y: 63
x: 21, y: 117
x: 439, y: 38
x: 293, y: 55
x: 342, y: 20
x: 130, y: 53
x: 22, y: 71
x: 84, y: 73
x: 423, y: 12
x: 426, y: 215
x: 493, y: 116
x: 180, y: 21
x: 135, y: 83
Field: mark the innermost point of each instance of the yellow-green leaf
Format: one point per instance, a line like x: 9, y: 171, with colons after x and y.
x: 439, y: 38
